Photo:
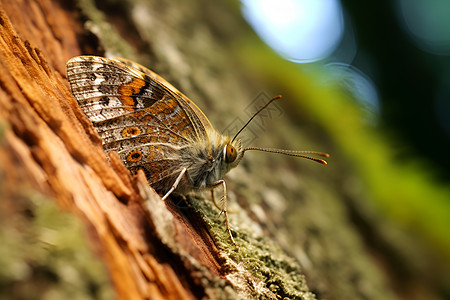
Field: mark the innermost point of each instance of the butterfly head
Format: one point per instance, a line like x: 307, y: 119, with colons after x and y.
x: 232, y: 155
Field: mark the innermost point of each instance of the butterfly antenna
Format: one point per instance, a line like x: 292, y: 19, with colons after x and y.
x: 255, y: 114
x: 302, y: 154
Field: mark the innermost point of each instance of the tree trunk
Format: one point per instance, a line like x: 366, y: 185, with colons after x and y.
x: 177, y: 249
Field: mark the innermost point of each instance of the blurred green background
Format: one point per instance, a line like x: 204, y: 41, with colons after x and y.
x: 376, y: 77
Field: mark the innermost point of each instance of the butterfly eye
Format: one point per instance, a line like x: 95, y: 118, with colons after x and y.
x: 230, y: 153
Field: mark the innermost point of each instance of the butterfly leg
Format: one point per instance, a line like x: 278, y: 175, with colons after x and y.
x: 218, y: 206
x: 214, y: 200
x: 175, y: 184
x: 224, y: 206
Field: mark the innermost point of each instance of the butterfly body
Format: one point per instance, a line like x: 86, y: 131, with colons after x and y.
x: 151, y: 125
x: 155, y: 128
x: 204, y: 161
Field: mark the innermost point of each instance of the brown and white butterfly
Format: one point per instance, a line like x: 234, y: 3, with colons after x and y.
x: 154, y: 127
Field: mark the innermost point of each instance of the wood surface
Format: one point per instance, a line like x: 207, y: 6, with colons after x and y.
x: 179, y: 249
x: 152, y: 249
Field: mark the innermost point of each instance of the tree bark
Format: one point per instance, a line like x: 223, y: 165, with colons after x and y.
x: 152, y: 249
x: 178, y: 249
x: 47, y: 138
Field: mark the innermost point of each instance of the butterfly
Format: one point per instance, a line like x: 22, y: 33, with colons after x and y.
x: 155, y: 128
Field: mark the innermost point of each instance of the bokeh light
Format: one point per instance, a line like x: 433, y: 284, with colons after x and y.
x: 428, y: 23
x: 359, y: 85
x: 299, y: 30
x: 304, y: 31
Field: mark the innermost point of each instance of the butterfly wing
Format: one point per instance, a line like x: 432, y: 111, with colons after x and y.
x: 137, y: 113
x: 182, y: 98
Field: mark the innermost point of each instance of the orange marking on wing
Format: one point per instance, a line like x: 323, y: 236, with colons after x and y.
x: 168, y: 107
x: 131, y: 89
x: 139, y: 114
x: 146, y: 119
x: 128, y: 102
x: 134, y: 156
x: 130, y: 131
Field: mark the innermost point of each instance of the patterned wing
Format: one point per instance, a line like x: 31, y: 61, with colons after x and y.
x: 137, y: 113
x: 182, y: 98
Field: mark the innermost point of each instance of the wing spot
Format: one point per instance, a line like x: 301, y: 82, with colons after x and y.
x: 130, y: 131
x: 134, y: 156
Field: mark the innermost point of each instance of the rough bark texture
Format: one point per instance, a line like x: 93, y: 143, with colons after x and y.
x: 160, y: 253
x: 178, y: 249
